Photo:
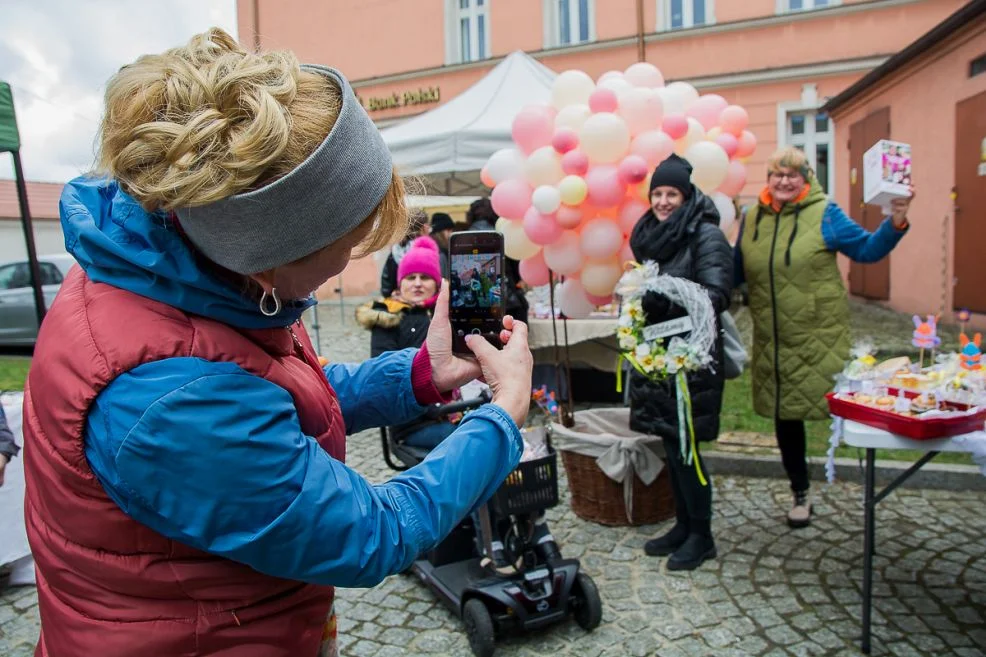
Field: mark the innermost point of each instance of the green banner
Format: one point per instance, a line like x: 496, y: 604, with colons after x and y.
x: 9, y: 140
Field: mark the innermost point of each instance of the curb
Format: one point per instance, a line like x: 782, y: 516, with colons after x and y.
x: 941, y: 476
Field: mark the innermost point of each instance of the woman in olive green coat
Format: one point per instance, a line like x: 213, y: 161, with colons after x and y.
x: 786, y: 253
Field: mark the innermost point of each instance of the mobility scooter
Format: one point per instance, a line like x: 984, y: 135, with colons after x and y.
x: 534, y: 590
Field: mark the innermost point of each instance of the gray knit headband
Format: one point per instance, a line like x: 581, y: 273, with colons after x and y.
x: 326, y: 196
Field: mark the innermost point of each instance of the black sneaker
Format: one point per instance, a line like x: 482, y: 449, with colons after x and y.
x: 664, y: 545
x: 695, y: 551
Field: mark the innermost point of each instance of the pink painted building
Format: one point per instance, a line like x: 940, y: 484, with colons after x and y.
x: 780, y: 59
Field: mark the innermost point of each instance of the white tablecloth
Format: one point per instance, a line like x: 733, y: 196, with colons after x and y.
x: 591, y: 342
x: 856, y: 434
x: 13, y: 538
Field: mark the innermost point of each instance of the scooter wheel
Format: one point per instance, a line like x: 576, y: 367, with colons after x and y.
x: 587, y: 606
x: 479, y: 628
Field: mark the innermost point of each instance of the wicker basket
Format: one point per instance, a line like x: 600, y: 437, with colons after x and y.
x: 598, y: 498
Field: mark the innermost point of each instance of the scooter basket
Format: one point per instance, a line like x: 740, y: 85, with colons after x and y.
x: 532, y: 486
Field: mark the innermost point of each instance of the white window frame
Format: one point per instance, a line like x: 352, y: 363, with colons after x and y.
x: 809, y: 104
x: 784, y: 6
x: 688, y: 19
x: 552, y: 29
x: 453, y: 45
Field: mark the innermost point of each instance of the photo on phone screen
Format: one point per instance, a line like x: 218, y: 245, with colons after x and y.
x: 476, y: 286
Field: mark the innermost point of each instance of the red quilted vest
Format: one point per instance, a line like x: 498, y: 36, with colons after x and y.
x: 108, y: 585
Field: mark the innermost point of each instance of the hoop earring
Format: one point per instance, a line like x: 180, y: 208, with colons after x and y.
x: 265, y: 309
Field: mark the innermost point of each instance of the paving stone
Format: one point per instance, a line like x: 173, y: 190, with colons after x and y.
x: 783, y: 635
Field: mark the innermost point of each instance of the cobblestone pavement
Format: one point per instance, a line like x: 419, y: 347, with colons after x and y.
x: 771, y: 593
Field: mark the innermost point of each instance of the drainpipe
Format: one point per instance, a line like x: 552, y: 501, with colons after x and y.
x: 641, y: 47
x: 256, y: 25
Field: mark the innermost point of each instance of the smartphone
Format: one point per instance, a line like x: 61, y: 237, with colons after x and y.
x: 476, y: 287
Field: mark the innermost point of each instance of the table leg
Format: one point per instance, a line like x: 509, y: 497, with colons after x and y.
x: 869, y: 540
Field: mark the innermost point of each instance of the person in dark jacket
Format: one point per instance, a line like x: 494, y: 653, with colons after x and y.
x: 681, y: 233
x: 8, y: 448
x: 442, y: 228
x: 389, y: 280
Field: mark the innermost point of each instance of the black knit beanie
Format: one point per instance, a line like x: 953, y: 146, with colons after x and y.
x: 441, y: 221
x: 673, y: 172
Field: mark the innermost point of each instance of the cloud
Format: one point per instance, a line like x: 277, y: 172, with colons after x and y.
x: 58, y: 54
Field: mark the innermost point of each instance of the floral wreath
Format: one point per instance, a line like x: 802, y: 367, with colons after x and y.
x: 643, y: 345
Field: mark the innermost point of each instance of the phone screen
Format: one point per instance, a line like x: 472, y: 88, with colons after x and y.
x: 476, y: 285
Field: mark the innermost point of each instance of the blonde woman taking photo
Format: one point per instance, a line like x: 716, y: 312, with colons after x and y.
x: 184, y: 450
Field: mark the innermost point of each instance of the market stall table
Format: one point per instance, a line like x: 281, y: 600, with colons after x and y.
x: 592, y: 342
x: 871, y: 439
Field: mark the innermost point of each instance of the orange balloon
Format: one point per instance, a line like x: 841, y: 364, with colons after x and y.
x: 484, y: 177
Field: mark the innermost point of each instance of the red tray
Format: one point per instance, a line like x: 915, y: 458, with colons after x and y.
x: 909, y: 427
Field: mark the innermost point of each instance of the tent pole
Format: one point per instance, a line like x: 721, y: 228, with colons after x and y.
x: 32, y: 255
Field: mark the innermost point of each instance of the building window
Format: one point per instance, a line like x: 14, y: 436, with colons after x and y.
x: 977, y: 66
x: 569, y: 22
x: 682, y: 14
x: 784, y: 6
x: 468, y: 26
x: 812, y: 133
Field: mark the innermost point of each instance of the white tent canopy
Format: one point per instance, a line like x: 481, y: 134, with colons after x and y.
x: 450, y: 144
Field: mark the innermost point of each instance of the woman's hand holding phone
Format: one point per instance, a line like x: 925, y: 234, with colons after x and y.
x: 508, y: 371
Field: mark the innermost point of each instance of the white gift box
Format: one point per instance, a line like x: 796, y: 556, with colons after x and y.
x: 886, y: 173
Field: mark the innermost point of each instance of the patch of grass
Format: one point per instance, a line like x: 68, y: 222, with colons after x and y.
x: 13, y: 372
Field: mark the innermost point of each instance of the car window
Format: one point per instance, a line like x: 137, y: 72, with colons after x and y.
x: 6, y: 273
x: 50, y: 274
x: 15, y: 276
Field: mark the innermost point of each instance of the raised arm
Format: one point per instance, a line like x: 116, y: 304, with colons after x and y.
x: 844, y: 235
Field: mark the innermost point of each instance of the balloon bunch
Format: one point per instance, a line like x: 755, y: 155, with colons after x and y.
x: 575, y: 183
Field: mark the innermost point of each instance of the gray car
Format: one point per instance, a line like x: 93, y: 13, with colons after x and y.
x: 18, y: 318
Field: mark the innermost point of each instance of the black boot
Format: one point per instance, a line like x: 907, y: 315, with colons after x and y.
x: 696, y: 549
x: 544, y: 542
x: 664, y: 545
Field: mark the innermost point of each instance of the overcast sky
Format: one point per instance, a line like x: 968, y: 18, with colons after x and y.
x: 58, y: 54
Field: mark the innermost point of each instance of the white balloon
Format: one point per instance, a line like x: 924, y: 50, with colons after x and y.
x: 516, y: 244
x: 608, y: 75
x: 605, y: 138
x: 616, y: 85
x: 546, y: 199
x: 709, y: 165
x: 573, y: 116
x: 572, y: 88
x: 727, y: 211
x: 643, y: 74
x: 505, y: 164
x: 695, y: 134
x: 678, y: 96
x: 543, y: 167
x: 572, y: 300
x: 642, y: 109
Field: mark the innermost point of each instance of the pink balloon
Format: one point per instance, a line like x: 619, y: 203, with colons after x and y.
x: 654, y: 146
x: 728, y: 142
x: 603, y: 100
x: 511, y: 198
x: 632, y: 170
x: 599, y: 301
x: 569, y: 217
x: 707, y: 110
x: 747, y: 144
x: 575, y: 163
x: 675, y: 125
x: 735, y: 179
x: 734, y: 120
x: 534, y: 271
x: 564, y: 256
x: 533, y: 128
x: 540, y: 229
x: 565, y: 140
x: 630, y: 213
x: 605, y: 187
x: 484, y: 177
x: 601, y: 238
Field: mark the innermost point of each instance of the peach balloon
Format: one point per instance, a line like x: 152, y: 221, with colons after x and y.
x: 543, y: 167
x: 710, y: 164
x: 605, y: 138
x: 654, y: 146
x: 630, y: 213
x: 605, y: 187
x: 734, y: 120
x: 642, y: 109
x: 569, y: 217
x: 484, y: 177
x: 603, y: 100
x: 728, y: 142
x: 573, y: 301
x: 511, y: 198
x: 571, y: 88
x: 534, y: 271
x: 572, y: 117
x: 608, y: 75
x: 735, y: 179
x: 541, y: 228
x: 601, y: 238
x: 516, y: 245
x: 695, y: 134
x: 747, y: 144
x: 675, y: 125
x: 533, y: 128
x: 678, y: 97
x: 564, y: 256
x: 643, y: 74
x: 599, y: 301
x: 565, y: 140
x: 600, y: 277
x: 713, y: 133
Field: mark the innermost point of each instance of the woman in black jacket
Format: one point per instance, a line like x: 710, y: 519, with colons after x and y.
x: 681, y: 233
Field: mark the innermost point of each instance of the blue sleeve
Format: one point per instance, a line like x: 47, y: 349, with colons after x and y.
x: 844, y: 235
x: 376, y: 392
x: 214, y: 457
